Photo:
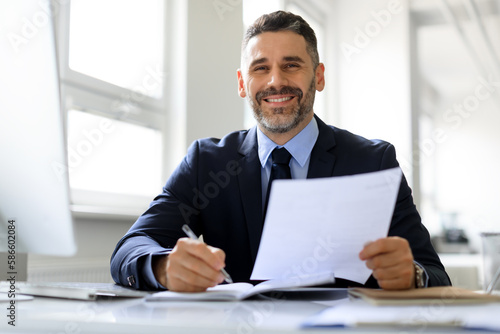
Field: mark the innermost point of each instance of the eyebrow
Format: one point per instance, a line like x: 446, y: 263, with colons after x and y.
x: 258, y: 61
x: 287, y: 58
x: 294, y: 58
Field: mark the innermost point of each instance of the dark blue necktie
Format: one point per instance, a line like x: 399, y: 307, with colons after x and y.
x: 280, y: 169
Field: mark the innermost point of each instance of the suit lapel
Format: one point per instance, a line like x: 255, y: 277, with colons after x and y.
x: 322, y: 157
x: 250, y: 189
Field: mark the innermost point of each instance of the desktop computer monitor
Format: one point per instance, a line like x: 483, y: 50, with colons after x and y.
x: 35, y: 215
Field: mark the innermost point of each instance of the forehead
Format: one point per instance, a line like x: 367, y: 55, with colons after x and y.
x: 276, y: 46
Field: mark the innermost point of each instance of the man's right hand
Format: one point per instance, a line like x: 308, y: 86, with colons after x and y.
x: 192, y: 266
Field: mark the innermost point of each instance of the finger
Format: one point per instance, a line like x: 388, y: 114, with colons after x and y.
x: 391, y: 261
x: 370, y: 249
x: 395, y: 284
x: 197, y: 257
x: 183, y: 279
x: 219, y: 253
x: 197, y: 267
x: 187, y: 270
x: 381, y: 246
x: 212, y: 256
x: 187, y: 273
x: 375, y: 248
x: 399, y: 276
x: 403, y: 271
x: 388, y: 260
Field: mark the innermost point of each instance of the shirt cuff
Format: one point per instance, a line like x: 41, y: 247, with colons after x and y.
x: 424, y: 274
x: 147, y: 273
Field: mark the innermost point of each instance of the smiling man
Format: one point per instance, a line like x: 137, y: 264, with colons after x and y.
x: 221, y: 186
x: 280, y: 80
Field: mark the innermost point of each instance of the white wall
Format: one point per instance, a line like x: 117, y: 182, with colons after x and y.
x: 214, y: 107
x: 374, y: 72
x: 460, y: 103
x: 205, y: 38
x: 466, y: 166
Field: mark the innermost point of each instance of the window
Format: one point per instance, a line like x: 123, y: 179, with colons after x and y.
x: 456, y: 62
x: 123, y: 157
x: 122, y: 44
x: 111, y: 56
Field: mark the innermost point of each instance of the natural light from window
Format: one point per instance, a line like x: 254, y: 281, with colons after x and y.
x: 118, y: 41
x: 107, y: 155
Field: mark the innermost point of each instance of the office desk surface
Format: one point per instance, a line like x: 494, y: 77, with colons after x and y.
x: 48, y: 315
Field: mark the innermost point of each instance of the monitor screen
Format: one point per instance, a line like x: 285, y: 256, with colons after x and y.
x: 34, y: 191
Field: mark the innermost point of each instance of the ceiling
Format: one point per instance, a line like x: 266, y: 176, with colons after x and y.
x: 457, y: 41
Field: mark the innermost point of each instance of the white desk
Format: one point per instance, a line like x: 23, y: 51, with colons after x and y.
x: 47, y: 315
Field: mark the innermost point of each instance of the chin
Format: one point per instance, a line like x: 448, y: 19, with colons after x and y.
x: 279, y: 125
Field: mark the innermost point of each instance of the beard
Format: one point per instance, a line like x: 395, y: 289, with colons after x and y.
x: 278, y: 121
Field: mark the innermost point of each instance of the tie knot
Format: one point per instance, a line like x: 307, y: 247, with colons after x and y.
x: 281, y: 156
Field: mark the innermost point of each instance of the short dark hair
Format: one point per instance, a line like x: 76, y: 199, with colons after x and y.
x: 284, y: 21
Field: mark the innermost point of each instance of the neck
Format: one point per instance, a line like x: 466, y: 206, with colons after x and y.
x: 282, y: 138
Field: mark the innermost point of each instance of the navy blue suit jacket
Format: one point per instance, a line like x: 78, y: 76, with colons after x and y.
x: 217, y: 190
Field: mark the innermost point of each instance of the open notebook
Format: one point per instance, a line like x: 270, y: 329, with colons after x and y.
x: 240, y: 291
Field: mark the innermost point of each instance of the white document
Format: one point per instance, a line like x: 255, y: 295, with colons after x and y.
x: 321, y: 225
x: 240, y: 291
x: 437, y: 313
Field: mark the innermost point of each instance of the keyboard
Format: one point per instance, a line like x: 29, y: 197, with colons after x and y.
x: 73, y: 290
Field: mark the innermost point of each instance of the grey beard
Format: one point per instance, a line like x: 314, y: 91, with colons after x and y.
x: 301, y: 111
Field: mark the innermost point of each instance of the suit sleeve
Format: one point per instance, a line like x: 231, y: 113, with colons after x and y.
x: 156, y: 232
x: 406, y: 223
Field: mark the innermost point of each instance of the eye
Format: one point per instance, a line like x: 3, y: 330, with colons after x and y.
x: 260, y: 68
x: 291, y: 66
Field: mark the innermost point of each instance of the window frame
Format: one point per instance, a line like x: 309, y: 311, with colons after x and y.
x: 92, y: 94
x: 88, y: 94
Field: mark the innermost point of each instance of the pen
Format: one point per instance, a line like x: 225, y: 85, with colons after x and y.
x: 193, y: 236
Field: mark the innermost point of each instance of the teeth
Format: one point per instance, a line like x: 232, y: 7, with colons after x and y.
x: 283, y: 99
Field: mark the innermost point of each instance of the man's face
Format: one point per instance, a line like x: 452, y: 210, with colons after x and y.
x: 279, y: 81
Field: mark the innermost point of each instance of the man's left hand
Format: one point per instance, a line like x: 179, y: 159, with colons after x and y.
x: 391, y: 260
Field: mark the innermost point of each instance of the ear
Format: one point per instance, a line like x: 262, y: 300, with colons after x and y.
x: 320, y: 77
x: 241, y: 85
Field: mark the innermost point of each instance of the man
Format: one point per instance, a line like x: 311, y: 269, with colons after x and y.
x: 220, y: 187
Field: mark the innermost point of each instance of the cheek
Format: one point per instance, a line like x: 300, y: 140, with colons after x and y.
x: 250, y: 88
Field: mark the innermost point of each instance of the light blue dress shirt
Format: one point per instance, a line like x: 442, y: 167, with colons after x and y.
x: 300, y: 147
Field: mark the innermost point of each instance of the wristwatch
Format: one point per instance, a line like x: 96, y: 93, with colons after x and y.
x: 419, y: 276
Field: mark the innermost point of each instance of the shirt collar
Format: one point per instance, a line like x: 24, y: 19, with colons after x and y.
x: 300, y: 146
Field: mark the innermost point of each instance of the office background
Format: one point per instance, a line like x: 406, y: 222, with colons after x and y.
x: 142, y: 80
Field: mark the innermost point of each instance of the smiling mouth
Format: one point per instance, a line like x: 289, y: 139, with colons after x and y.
x: 278, y: 97
x: 282, y: 99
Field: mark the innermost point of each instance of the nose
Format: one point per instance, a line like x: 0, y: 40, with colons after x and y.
x: 277, y: 78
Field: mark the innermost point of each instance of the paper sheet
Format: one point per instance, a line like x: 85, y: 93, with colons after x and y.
x: 437, y: 314
x: 319, y: 225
